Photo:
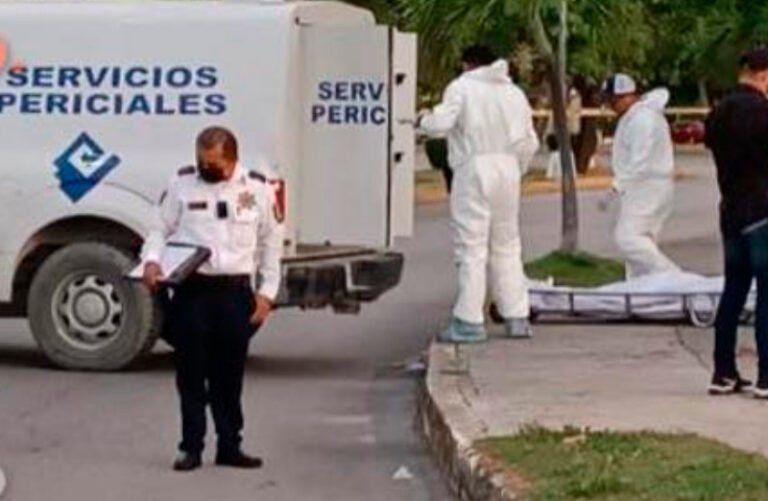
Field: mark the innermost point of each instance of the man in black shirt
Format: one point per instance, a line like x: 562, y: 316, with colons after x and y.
x: 737, y: 134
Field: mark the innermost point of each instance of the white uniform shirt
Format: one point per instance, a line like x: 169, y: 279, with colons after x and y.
x: 484, y: 113
x: 236, y: 219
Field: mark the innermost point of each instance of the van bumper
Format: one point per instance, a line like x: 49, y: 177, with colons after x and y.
x: 342, y: 283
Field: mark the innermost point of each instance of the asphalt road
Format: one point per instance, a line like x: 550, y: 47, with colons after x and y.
x: 329, y: 399
x: 329, y: 404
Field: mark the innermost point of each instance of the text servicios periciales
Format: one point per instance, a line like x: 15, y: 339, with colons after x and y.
x: 112, y: 90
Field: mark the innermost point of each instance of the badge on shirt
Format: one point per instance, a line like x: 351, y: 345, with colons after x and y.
x: 245, y: 201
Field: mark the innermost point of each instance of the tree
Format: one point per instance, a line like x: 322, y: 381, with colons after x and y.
x: 601, y: 34
x: 555, y: 63
x: 699, y: 41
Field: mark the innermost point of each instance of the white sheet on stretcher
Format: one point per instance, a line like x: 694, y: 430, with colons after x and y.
x: 657, y: 296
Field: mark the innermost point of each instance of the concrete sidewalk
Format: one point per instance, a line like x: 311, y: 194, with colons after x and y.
x: 623, y: 377
x: 602, y: 377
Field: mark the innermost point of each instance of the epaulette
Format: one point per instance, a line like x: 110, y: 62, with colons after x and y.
x: 186, y: 171
x: 258, y: 176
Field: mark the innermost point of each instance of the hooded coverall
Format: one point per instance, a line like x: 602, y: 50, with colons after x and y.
x: 491, y: 141
x: 643, y: 166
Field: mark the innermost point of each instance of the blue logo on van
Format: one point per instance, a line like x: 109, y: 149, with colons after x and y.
x: 82, y: 166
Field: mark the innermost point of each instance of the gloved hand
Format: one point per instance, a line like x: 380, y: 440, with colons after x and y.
x: 606, y: 200
x: 422, y: 113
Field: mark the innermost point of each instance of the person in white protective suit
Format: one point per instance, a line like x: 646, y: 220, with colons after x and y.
x: 491, y: 142
x: 643, y: 167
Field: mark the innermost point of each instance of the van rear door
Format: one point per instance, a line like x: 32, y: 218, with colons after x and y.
x: 403, y: 134
x: 356, y: 169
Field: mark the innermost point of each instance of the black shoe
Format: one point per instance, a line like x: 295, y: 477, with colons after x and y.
x: 239, y: 459
x: 187, y: 461
x: 726, y: 385
x: 760, y: 391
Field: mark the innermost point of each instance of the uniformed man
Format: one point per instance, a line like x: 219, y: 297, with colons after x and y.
x: 220, y: 205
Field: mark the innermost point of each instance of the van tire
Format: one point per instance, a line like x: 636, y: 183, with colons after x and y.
x: 84, y: 315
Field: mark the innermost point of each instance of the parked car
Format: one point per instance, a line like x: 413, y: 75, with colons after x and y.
x: 688, y: 132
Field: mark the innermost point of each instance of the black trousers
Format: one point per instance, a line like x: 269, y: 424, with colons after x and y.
x: 746, y: 258
x: 448, y: 177
x: 210, y: 317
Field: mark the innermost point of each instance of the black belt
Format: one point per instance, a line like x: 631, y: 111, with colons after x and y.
x: 198, y: 279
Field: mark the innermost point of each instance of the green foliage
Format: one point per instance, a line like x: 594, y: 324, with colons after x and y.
x: 582, y: 464
x: 603, y: 34
x: 608, y: 35
x: 446, y: 27
x: 688, y: 43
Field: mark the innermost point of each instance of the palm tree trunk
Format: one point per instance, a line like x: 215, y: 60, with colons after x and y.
x: 570, y: 210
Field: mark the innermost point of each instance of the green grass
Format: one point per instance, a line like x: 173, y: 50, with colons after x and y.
x: 575, y: 464
x: 576, y: 270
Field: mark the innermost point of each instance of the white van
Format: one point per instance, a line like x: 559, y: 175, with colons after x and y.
x: 100, y: 102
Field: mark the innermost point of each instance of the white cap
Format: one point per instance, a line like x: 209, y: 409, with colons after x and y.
x: 619, y: 85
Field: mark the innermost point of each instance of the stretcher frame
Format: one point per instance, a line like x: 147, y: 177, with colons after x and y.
x: 686, y: 310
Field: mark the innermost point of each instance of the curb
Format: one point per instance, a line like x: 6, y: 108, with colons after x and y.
x: 470, y: 475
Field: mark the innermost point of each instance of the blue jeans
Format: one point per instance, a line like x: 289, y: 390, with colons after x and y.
x: 746, y: 258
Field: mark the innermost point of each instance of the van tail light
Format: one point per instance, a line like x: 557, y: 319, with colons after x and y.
x: 278, y: 185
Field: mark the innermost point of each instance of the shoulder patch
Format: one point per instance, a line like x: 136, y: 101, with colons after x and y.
x: 258, y: 176
x: 186, y: 171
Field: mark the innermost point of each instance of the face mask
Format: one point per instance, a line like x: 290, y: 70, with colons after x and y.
x: 210, y: 175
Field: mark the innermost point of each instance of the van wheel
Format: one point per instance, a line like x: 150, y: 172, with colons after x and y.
x: 85, y: 315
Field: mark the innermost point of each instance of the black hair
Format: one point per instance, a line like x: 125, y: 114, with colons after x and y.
x: 478, y: 55
x: 214, y: 136
x: 754, y: 60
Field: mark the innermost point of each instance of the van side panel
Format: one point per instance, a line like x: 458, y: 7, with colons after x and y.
x: 103, y: 97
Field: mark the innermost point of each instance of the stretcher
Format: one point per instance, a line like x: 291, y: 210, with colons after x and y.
x: 674, y: 297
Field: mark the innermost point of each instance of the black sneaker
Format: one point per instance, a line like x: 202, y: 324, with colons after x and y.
x: 760, y: 390
x: 187, y: 461
x: 726, y: 385
x: 239, y: 460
